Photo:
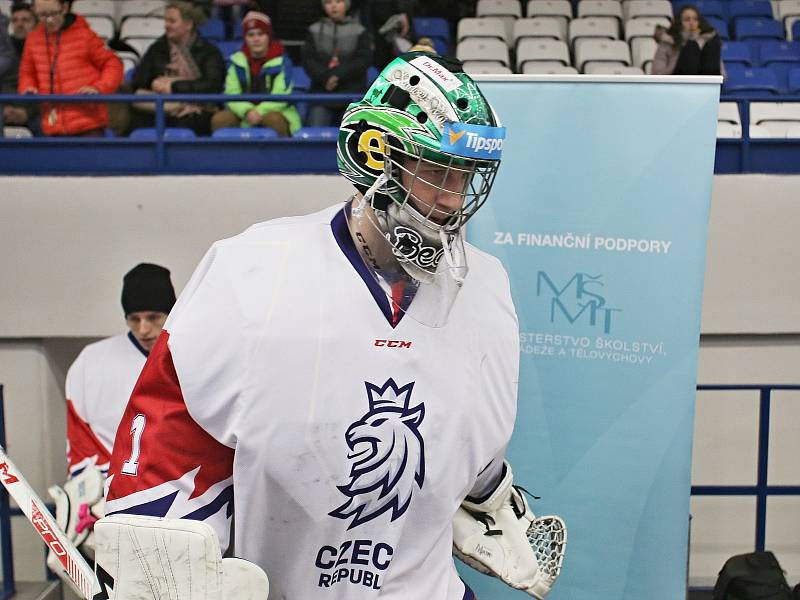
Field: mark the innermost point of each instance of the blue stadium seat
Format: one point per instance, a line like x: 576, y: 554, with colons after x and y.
x: 755, y: 50
x: 721, y: 26
x: 782, y: 70
x: 317, y: 133
x: 796, y: 30
x: 779, y: 52
x: 794, y: 81
x: 748, y: 28
x: 245, y: 133
x: 736, y: 53
x: 708, y: 8
x: 228, y: 47
x: 749, y: 8
x: 372, y: 75
x: 300, y: 79
x: 757, y: 81
x: 432, y: 27
x: 172, y: 133
x: 213, y: 29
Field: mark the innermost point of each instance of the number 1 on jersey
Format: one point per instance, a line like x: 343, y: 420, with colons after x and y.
x: 131, y: 466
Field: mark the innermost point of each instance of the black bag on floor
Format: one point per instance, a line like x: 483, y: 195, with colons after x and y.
x: 754, y: 576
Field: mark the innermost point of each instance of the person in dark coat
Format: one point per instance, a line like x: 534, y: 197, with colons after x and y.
x: 179, y: 62
x: 336, y: 55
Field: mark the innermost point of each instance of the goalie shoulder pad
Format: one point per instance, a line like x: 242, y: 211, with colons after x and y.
x: 500, y: 536
x: 150, y: 558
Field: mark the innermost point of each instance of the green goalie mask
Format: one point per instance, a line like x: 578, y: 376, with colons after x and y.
x: 423, y: 147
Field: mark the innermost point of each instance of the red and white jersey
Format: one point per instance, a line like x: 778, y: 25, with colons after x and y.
x: 281, y: 393
x: 99, y: 384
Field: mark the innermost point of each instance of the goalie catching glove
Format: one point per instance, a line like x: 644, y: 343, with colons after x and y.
x: 500, y: 536
x: 149, y: 558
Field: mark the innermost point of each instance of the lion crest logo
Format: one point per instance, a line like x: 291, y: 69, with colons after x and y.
x: 387, y: 456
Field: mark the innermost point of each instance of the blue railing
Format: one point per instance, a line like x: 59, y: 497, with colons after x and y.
x: 204, y: 155
x: 761, y: 490
x: 760, y: 155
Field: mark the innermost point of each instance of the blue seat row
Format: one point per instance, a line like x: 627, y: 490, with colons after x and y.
x: 235, y: 133
x: 741, y: 79
x: 754, y: 53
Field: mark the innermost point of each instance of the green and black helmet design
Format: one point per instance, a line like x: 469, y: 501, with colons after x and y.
x: 421, y: 108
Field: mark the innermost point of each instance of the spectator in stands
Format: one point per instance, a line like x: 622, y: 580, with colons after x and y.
x: 336, y: 55
x: 179, y: 62
x: 62, y: 55
x: 8, y: 56
x: 691, y: 46
x: 23, y: 21
x: 260, y: 67
x: 390, y: 23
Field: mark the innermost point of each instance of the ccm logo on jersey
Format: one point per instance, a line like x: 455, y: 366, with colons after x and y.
x: 7, y: 477
x: 392, y: 344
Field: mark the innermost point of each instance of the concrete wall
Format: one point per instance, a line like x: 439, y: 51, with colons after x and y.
x: 65, y: 243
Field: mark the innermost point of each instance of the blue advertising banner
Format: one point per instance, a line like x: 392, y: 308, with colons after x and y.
x: 599, y: 214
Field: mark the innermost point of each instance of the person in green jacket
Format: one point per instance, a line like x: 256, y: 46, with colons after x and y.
x: 260, y: 67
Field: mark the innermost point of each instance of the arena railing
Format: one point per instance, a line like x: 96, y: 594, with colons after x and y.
x: 208, y: 155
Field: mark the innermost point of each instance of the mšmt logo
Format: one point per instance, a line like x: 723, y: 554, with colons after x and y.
x: 387, y: 456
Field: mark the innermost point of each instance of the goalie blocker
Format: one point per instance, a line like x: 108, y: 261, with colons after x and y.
x: 150, y: 558
x: 500, y: 536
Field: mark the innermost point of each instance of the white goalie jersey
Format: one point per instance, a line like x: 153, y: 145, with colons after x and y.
x: 281, y: 396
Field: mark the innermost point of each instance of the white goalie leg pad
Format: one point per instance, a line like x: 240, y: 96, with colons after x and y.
x: 148, y: 558
x: 500, y: 536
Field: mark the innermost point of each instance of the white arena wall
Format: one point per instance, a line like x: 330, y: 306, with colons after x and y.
x: 66, y: 242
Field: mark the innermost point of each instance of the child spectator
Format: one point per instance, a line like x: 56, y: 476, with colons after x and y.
x: 179, y: 62
x: 690, y: 46
x: 62, y: 55
x: 260, y: 67
x: 336, y: 55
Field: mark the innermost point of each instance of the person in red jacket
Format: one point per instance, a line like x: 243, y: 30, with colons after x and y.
x: 64, y: 56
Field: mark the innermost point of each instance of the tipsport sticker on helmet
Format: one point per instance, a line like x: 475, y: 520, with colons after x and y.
x: 473, y: 141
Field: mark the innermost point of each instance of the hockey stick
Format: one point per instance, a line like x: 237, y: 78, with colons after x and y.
x: 29, y: 502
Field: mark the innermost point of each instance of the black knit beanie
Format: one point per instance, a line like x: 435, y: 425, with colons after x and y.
x: 147, y: 287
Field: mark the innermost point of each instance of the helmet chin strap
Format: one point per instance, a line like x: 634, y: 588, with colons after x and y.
x: 448, y: 256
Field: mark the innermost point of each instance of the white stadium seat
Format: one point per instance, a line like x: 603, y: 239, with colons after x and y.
x: 140, y: 44
x: 473, y: 27
x: 538, y: 27
x: 773, y: 119
x: 140, y: 8
x: 16, y: 132
x: 485, y: 67
x: 96, y: 8
x: 5, y: 7
x: 611, y: 69
x: 142, y: 27
x: 549, y: 8
x: 102, y: 26
x: 535, y: 49
x: 643, y: 50
x: 600, y: 8
x: 593, y: 27
x: 588, y: 51
x: 507, y: 10
x: 546, y: 68
x: 794, y: 132
x: 787, y: 8
x: 729, y: 113
x: 728, y: 130
x: 644, y: 27
x: 129, y: 60
x: 481, y: 49
x: 636, y: 9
